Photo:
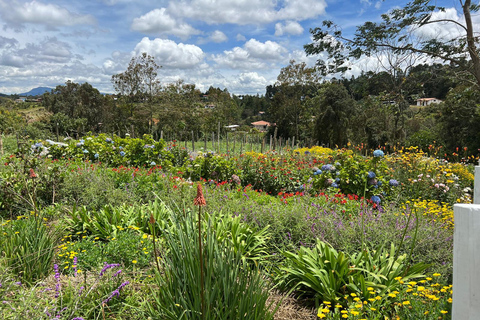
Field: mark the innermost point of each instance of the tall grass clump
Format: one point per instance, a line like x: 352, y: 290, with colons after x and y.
x: 232, y: 291
x: 27, y: 248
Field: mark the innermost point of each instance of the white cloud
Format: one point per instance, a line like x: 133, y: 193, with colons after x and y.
x: 240, y: 37
x: 158, y: 21
x: 253, y: 55
x: 290, y: 27
x: 269, y: 50
x: 247, y: 11
x: 444, y: 30
x: 216, y: 36
x: 49, y: 15
x: 301, y: 9
x: 170, y: 54
x: 49, y: 50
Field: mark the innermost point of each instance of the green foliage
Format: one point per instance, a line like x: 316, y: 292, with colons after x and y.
x: 249, y: 242
x: 110, y: 221
x: 27, y: 248
x: 210, y: 167
x: 325, y: 274
x: 232, y: 292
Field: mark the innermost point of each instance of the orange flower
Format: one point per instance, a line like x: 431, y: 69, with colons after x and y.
x: 32, y: 174
x: 199, y: 199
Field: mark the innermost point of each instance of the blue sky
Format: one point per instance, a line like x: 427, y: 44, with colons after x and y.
x: 240, y: 45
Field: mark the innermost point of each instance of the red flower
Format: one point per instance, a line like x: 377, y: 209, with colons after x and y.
x: 32, y: 173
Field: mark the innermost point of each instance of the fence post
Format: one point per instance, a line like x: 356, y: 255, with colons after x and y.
x: 193, y: 141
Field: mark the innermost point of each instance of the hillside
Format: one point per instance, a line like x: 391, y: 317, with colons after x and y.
x: 36, y: 91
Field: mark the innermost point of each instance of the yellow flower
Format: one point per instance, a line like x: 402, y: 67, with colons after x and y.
x: 134, y: 261
x: 406, y: 303
x: 443, y: 311
x: 436, y: 274
x: 321, y: 315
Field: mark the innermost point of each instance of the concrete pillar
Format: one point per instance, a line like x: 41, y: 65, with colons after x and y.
x: 466, y: 257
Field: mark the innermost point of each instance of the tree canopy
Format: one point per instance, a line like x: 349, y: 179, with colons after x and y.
x: 403, y: 30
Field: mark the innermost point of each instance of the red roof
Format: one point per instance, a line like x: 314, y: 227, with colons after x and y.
x: 261, y: 123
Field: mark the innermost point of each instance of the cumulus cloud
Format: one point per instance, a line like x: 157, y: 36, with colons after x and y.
x: 158, y: 22
x: 169, y: 54
x: 216, y: 36
x: 445, y: 30
x: 289, y: 27
x: 34, y: 12
x: 247, y: 11
x: 253, y: 55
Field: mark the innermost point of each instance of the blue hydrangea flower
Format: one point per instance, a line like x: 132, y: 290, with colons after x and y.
x: 317, y: 172
x: 375, y: 199
x: 85, y: 151
x: 393, y: 183
x: 379, y: 183
x: 378, y: 153
x: 108, y: 140
x: 122, y: 153
x: 38, y: 145
x: 96, y: 155
x: 371, y: 175
x: 153, y: 163
x: 327, y: 167
x: 334, y: 185
x: 82, y: 141
x: 146, y: 146
x: 337, y: 180
x: 120, y: 148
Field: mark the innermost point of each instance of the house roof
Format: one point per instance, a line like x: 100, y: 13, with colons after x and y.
x: 261, y: 123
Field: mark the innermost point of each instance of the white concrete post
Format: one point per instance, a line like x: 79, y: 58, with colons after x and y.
x: 466, y: 257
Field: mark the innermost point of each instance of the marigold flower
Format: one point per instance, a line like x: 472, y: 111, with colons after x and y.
x: 199, y: 199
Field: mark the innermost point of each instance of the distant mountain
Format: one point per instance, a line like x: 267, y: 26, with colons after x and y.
x: 36, y: 91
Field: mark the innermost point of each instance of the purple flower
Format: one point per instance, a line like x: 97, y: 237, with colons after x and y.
x: 108, y: 266
x: 57, y: 277
x: 75, y: 261
x: 115, y: 292
x: 371, y: 175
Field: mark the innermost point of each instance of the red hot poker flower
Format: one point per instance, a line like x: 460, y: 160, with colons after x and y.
x: 199, y: 199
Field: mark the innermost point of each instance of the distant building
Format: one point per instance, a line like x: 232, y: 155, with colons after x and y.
x: 261, y: 125
x: 422, y: 102
x: 232, y: 127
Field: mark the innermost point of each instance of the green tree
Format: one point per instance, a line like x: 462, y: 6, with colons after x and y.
x: 295, y: 85
x: 459, y: 118
x: 334, y: 110
x: 399, y: 31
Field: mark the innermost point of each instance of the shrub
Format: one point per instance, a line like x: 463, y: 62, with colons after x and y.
x: 232, y: 292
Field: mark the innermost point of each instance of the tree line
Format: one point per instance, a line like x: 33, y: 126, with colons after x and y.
x: 316, y: 104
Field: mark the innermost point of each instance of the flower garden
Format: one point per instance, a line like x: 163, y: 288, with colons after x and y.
x: 107, y: 228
